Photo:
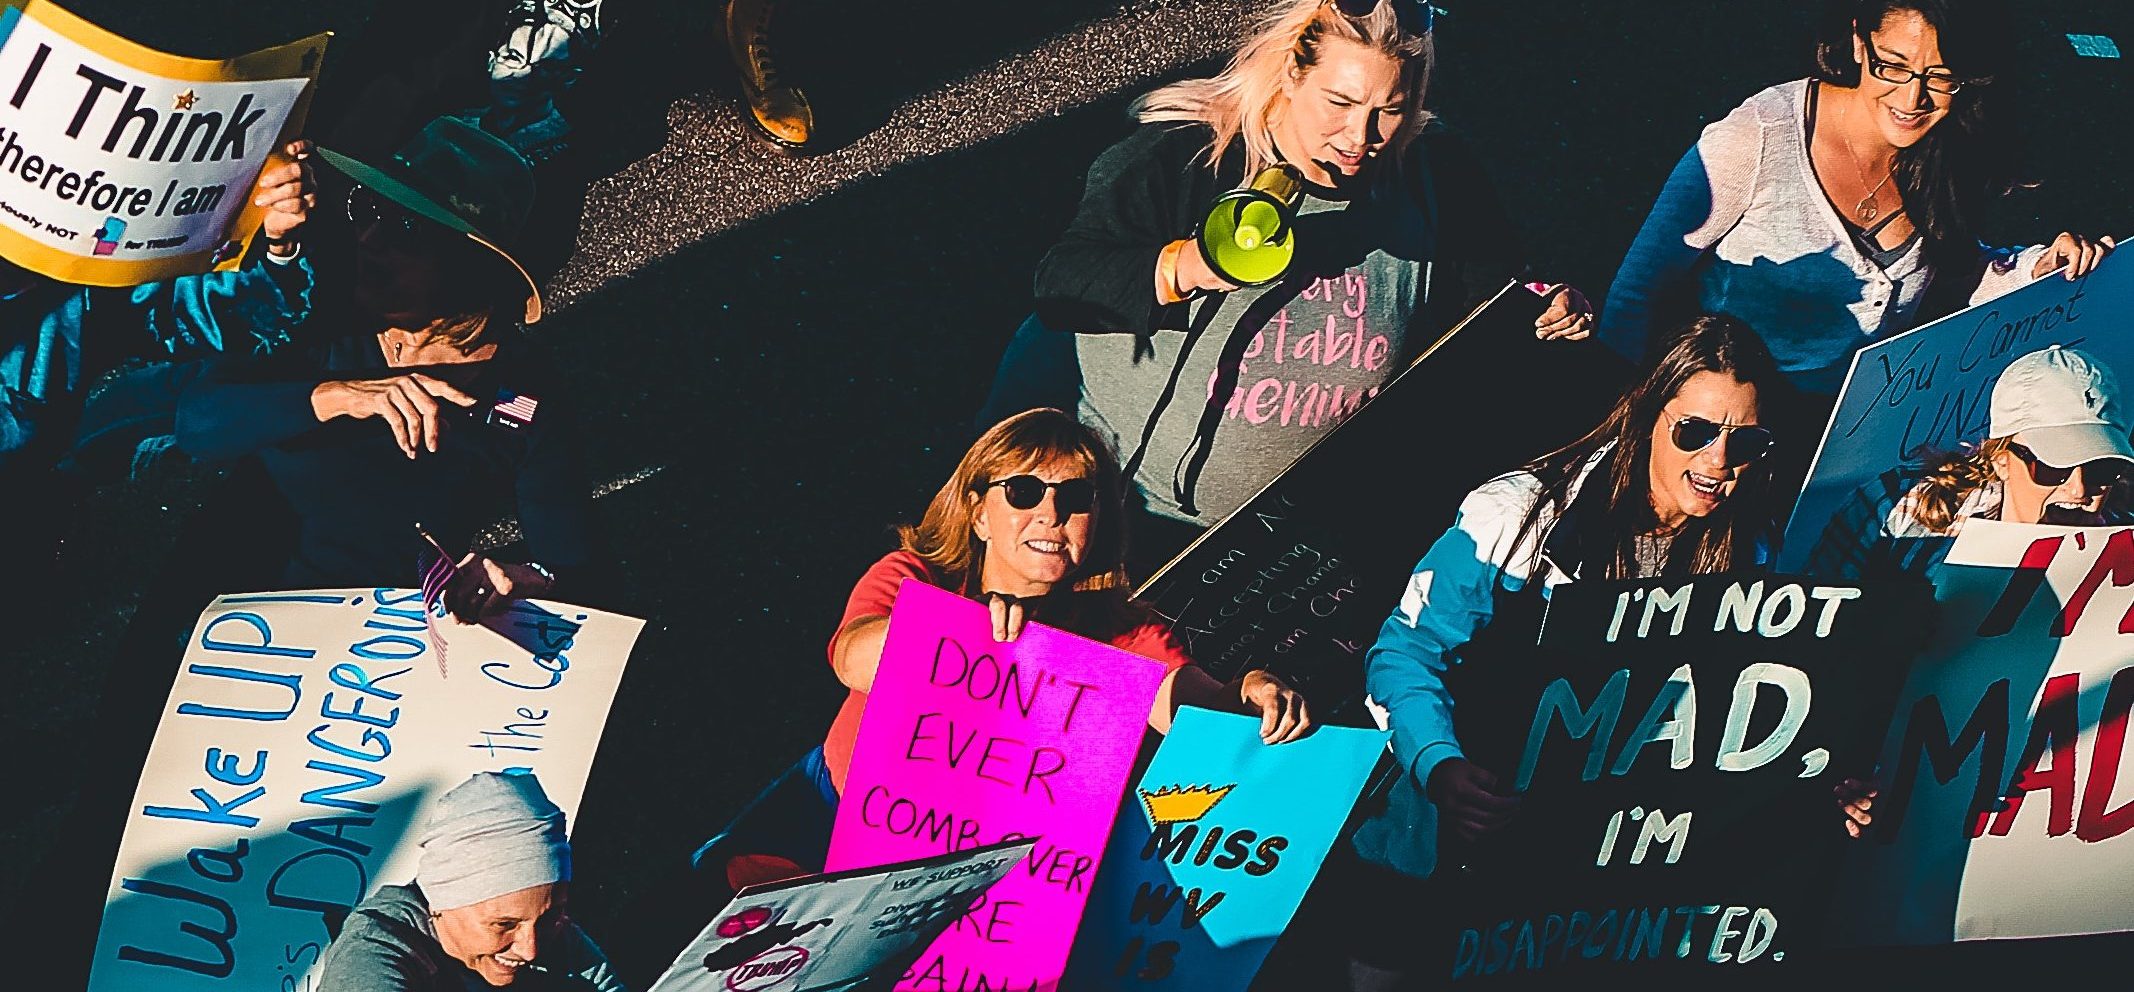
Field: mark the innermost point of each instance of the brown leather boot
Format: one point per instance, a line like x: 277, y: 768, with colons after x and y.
x: 778, y: 113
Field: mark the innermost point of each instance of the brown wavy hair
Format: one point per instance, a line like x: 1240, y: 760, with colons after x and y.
x: 1723, y: 541
x: 1045, y: 436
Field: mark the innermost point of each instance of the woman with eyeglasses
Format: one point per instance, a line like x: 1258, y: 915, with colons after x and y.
x: 1836, y: 210
x: 1030, y: 523
x: 1675, y: 481
x: 1208, y: 387
x: 430, y: 410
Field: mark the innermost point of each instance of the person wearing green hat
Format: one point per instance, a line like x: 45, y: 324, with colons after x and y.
x: 429, y: 407
x: 487, y: 905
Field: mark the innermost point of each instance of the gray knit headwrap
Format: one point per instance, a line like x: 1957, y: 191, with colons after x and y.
x: 494, y: 834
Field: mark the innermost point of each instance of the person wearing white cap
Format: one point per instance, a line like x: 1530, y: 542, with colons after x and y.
x: 487, y: 907
x: 2056, y: 449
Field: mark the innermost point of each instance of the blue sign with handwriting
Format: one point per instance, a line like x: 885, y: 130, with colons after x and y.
x: 1218, y: 843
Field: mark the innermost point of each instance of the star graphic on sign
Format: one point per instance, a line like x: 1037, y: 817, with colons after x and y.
x: 184, y: 101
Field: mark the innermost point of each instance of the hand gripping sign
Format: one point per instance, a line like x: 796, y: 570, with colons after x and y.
x: 1214, y: 851
x: 2003, y: 811
x: 1674, y: 742
x: 1928, y: 391
x: 304, y: 735
x: 967, y: 741
x: 120, y: 164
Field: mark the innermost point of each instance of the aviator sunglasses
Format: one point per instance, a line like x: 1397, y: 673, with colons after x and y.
x: 1025, y: 492
x: 2104, y: 473
x: 1748, y: 443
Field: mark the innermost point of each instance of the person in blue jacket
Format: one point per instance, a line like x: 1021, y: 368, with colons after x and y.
x: 56, y: 338
x: 1673, y: 482
x: 59, y: 340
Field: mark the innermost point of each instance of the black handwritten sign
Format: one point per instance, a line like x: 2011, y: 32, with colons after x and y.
x: 1676, y: 742
x: 1299, y: 579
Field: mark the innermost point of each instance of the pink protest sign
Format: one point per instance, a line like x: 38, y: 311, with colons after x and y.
x: 969, y: 742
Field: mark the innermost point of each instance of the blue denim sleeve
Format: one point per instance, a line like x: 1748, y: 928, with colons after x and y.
x: 251, y: 310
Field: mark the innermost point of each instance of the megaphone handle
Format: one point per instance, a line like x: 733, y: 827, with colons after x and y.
x: 1282, y: 229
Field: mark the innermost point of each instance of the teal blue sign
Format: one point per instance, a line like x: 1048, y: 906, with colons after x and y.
x: 1213, y: 852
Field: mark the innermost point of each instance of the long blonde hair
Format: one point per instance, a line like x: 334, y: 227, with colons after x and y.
x: 1243, y: 101
x: 1025, y: 441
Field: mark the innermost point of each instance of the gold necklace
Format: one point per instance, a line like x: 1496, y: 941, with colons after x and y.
x: 1866, y: 209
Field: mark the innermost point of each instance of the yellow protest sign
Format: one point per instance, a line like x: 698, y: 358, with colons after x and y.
x: 120, y: 164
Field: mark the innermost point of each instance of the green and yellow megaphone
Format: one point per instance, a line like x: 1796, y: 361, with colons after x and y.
x: 1246, y: 237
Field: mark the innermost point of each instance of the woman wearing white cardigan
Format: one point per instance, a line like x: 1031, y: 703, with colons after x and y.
x: 1821, y: 211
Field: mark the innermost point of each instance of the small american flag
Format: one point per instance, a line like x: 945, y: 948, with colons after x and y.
x: 514, y: 409
x: 434, y: 579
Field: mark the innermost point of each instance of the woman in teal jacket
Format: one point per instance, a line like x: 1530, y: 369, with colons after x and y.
x: 1673, y: 482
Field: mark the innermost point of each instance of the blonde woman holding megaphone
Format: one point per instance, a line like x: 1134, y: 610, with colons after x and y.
x: 1261, y: 256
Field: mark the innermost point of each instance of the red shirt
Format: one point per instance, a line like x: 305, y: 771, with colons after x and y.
x: 876, y: 593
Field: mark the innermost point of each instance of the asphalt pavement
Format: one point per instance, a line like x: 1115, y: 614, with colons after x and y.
x: 779, y: 358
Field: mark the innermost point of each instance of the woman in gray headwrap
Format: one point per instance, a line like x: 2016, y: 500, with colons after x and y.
x: 486, y: 906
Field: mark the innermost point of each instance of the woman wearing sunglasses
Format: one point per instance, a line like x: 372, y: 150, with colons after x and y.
x: 2056, y: 452
x: 1833, y: 211
x: 1674, y: 482
x: 429, y: 409
x: 1211, y: 388
x: 1030, y: 523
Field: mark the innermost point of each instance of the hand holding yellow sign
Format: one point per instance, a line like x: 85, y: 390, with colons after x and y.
x: 120, y: 164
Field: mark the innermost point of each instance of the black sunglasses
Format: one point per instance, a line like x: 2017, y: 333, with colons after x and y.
x: 1025, y: 492
x: 1416, y: 16
x: 365, y: 207
x: 2103, y: 472
x: 1748, y: 442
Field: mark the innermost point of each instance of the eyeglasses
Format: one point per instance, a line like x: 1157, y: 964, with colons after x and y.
x: 1939, y: 80
x: 2103, y: 473
x: 1025, y: 492
x: 1748, y: 443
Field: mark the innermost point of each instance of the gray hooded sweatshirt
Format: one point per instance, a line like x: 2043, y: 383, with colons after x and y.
x: 390, y: 945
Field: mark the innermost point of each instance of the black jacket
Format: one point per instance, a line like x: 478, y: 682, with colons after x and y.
x: 356, y: 498
x: 1152, y: 188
